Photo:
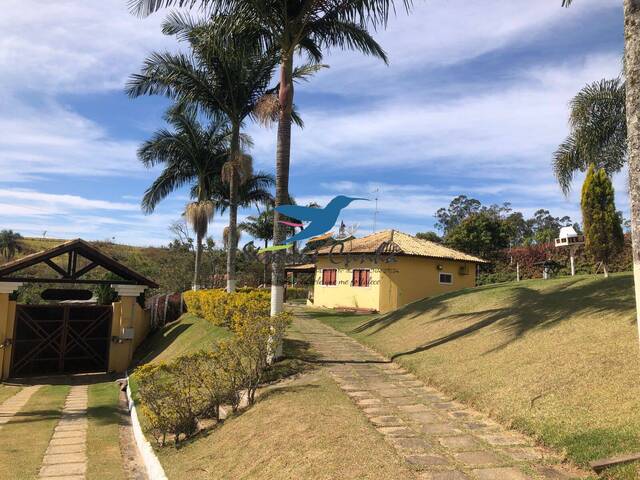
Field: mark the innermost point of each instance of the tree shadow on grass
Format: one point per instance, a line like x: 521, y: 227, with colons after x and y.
x: 34, y: 416
x: 157, y: 343
x: 530, y: 309
x: 436, y: 305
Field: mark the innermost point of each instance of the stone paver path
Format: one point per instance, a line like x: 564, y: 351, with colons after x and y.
x: 14, y: 404
x: 441, y: 438
x: 66, y: 456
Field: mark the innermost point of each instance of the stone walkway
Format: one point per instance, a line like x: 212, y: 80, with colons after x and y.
x: 66, y: 456
x: 14, y: 404
x: 441, y: 438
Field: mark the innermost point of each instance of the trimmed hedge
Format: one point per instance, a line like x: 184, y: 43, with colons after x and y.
x: 218, y: 306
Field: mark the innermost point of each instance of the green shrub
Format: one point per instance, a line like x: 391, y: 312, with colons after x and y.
x: 176, y: 394
x: 257, y: 336
x: 296, y: 293
x: 169, y: 398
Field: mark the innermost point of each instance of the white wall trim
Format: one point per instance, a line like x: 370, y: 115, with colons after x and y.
x: 149, y: 458
x: 129, y: 290
x: 9, y: 287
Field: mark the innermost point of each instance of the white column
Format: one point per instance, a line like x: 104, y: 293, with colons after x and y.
x: 129, y: 290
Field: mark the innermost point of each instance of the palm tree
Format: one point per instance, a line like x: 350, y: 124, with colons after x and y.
x: 289, y: 27
x: 190, y: 154
x: 261, y: 227
x: 598, y: 134
x: 223, y: 76
x: 632, y: 73
x: 10, y: 243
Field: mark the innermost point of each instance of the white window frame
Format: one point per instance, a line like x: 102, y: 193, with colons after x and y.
x: 360, y: 286
x: 440, y: 278
x: 322, y: 278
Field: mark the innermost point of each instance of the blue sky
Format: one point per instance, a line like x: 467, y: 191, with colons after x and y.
x: 473, y: 102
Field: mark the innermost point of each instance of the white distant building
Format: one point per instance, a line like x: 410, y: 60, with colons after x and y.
x: 570, y: 238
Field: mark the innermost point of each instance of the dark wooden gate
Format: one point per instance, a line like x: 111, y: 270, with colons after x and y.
x: 52, y: 339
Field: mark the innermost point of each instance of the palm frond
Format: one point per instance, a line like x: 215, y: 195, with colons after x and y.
x: 346, y: 35
x: 199, y: 215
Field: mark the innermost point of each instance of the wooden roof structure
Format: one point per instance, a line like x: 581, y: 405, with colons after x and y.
x: 72, y: 272
x: 398, y: 243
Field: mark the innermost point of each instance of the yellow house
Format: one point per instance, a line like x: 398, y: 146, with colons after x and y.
x: 388, y: 269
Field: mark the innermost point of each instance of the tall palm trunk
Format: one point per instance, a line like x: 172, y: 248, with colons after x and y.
x: 196, y: 271
x: 283, y: 156
x: 233, y: 210
x: 632, y: 74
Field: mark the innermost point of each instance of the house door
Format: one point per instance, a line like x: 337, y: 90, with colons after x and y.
x: 56, y: 339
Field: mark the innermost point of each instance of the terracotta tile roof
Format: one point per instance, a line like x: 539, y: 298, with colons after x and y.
x: 393, y: 241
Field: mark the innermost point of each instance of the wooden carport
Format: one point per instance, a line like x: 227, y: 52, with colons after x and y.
x: 70, y: 338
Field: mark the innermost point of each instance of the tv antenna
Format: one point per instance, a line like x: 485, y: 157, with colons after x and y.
x: 375, y: 213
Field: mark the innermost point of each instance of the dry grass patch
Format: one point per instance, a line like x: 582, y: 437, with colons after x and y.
x: 103, y: 434
x: 305, y: 429
x: 8, y: 391
x: 25, y: 438
x: 557, y: 359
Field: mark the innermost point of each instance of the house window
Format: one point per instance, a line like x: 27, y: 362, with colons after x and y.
x: 329, y: 277
x: 446, y: 278
x: 360, y: 278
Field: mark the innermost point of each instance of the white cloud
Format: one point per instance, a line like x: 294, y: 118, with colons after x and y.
x: 516, y: 128
x: 50, y: 139
x: 494, y: 141
x: 72, y: 45
x: 442, y: 33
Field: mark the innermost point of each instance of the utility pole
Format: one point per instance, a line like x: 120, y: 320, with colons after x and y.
x: 375, y: 213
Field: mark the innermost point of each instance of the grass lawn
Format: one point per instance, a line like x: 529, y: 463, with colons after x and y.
x: 24, y: 439
x: 557, y: 359
x: 307, y: 429
x: 7, y: 391
x: 304, y: 428
x: 103, y: 441
x: 187, y: 335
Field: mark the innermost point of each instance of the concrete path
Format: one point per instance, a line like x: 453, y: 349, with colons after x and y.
x: 14, y: 404
x: 441, y: 438
x: 66, y: 456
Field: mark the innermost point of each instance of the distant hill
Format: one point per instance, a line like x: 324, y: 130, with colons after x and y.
x: 170, y: 269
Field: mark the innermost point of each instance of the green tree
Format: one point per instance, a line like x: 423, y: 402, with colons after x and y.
x: 545, y: 227
x: 260, y: 227
x: 482, y: 234
x: 223, y: 76
x: 602, y: 223
x: 632, y: 105
x: 430, y: 236
x: 459, y: 208
x: 518, y: 229
x: 288, y: 28
x: 10, y: 243
x: 598, y: 133
x: 189, y: 154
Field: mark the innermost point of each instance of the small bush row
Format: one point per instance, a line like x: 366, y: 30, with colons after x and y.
x: 295, y: 293
x: 174, y: 396
x: 218, y: 306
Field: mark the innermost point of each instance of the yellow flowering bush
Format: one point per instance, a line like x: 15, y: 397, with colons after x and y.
x: 218, y: 307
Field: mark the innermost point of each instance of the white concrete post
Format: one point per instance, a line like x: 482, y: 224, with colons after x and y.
x: 517, y: 271
x: 166, y: 306
x: 572, y: 253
